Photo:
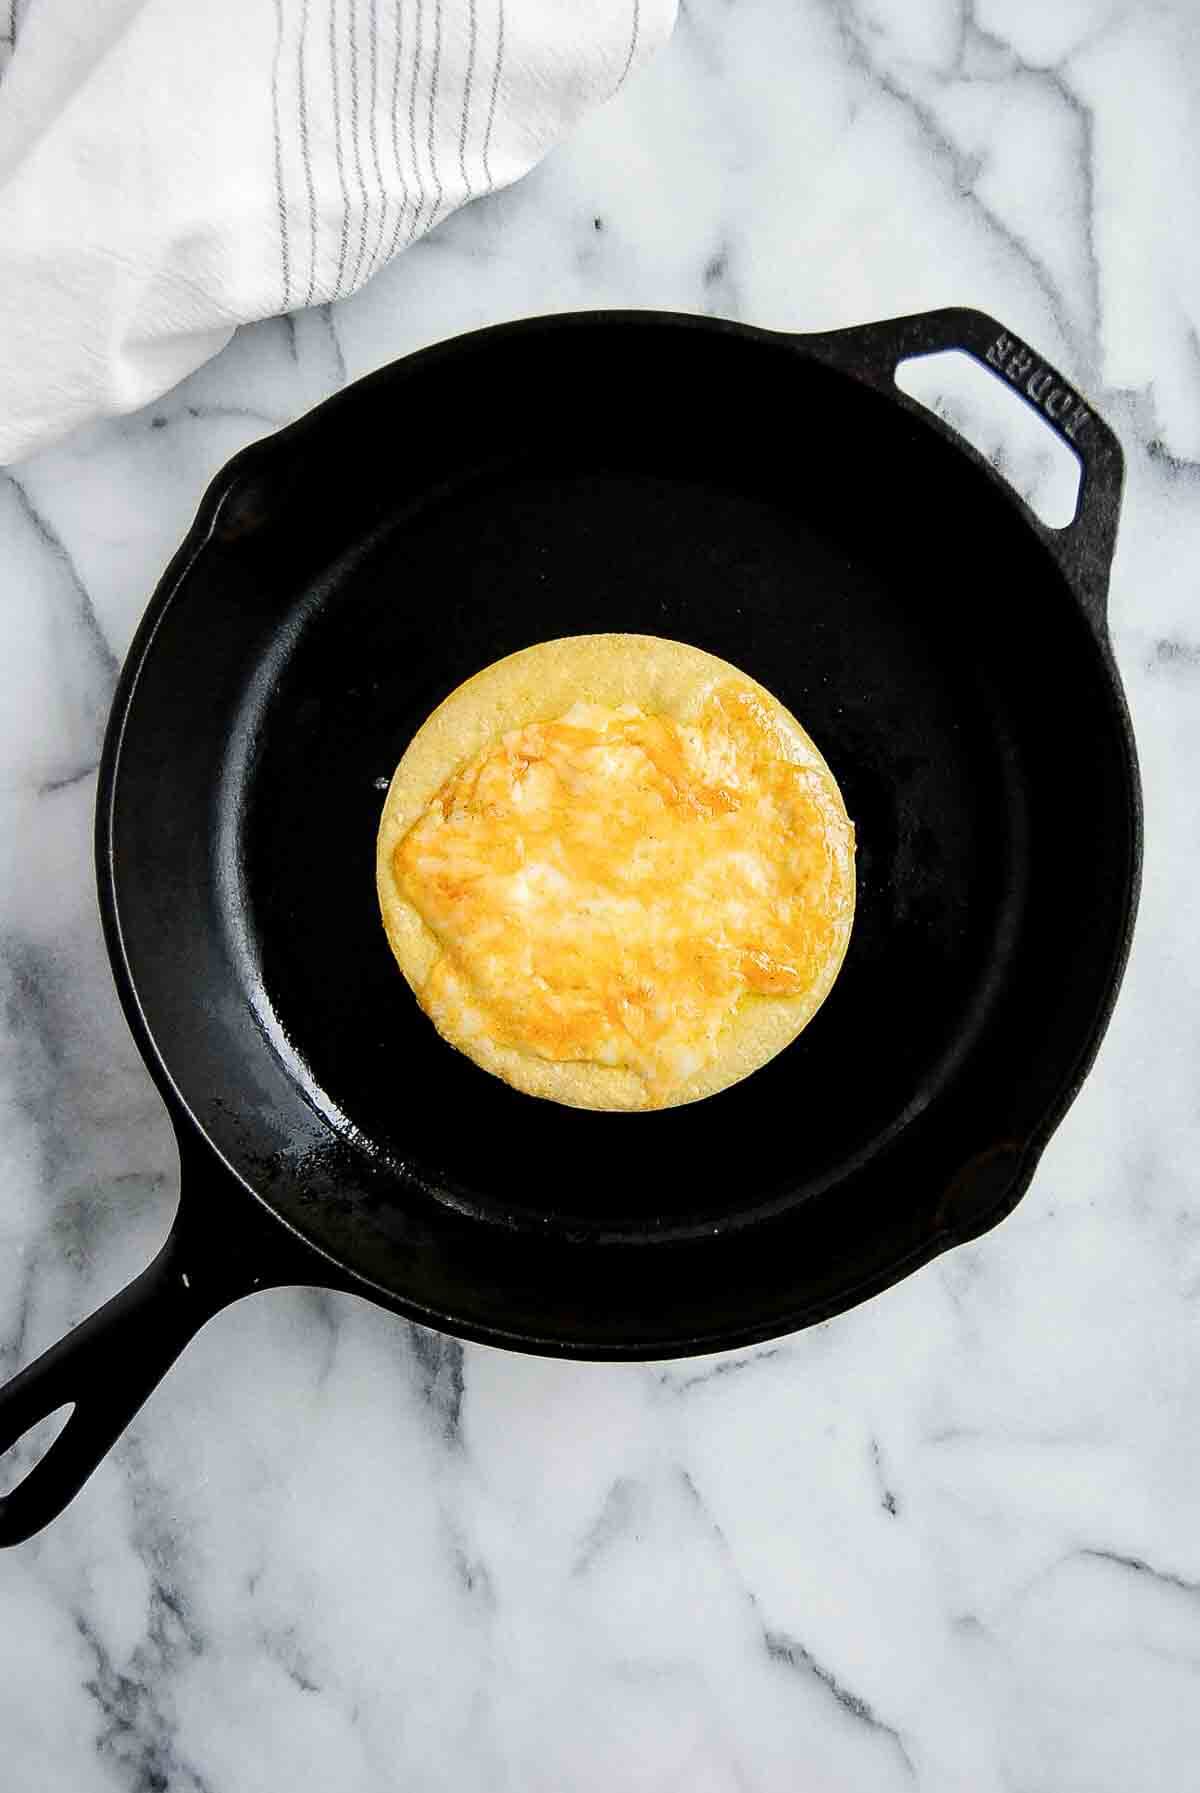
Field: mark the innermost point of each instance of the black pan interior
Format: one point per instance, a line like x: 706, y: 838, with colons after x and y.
x: 716, y: 486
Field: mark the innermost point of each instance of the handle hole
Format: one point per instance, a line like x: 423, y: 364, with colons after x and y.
x: 23, y: 1456
x: 987, y: 412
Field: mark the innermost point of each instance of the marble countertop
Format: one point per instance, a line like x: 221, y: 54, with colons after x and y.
x: 949, y: 1540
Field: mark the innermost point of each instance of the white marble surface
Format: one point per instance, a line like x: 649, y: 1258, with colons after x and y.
x: 950, y: 1540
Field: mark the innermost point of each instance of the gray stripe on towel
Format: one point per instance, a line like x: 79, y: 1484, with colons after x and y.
x: 308, y: 170
x: 383, y: 198
x: 487, y: 139
x: 412, y: 130
x: 433, y: 87
x: 344, y: 247
x: 358, y: 167
x: 280, y: 201
x: 469, y: 191
x: 396, y: 128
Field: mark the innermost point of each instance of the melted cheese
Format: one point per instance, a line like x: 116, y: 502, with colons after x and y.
x: 611, y: 886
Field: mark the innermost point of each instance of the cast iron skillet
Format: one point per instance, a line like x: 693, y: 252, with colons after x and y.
x: 775, y: 500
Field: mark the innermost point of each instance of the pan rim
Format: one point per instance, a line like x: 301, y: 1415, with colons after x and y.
x: 196, y: 541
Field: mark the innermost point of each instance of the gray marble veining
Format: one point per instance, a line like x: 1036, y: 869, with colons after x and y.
x: 949, y: 1540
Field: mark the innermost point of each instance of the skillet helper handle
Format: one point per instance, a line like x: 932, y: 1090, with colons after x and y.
x: 105, y: 1368
x: 1084, y: 548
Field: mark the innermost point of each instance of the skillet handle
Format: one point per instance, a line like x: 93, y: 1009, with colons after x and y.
x: 106, y: 1368
x: 1084, y: 548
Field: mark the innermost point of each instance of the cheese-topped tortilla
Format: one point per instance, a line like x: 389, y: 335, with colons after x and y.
x: 616, y: 872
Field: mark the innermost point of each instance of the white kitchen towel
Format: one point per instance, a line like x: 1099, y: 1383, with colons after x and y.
x: 172, y: 168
